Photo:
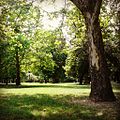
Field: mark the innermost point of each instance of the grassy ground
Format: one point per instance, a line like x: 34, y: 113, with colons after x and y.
x: 68, y: 101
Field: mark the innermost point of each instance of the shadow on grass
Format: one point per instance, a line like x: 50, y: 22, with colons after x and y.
x: 45, y: 107
x: 58, y: 107
x: 75, y: 86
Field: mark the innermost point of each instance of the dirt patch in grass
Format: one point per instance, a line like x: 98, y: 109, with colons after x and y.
x: 107, y: 110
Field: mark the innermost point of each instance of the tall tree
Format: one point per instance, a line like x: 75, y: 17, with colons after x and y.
x: 101, y: 89
x: 16, y: 29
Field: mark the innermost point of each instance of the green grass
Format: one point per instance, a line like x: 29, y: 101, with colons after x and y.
x: 68, y: 101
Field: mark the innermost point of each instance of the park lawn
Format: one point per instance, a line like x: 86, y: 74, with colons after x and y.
x: 64, y: 101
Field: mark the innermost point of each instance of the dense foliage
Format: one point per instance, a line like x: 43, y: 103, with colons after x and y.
x: 32, y: 53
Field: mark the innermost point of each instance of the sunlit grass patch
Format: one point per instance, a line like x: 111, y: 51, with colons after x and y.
x: 51, y: 89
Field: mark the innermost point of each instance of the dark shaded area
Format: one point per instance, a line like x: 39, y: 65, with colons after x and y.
x: 49, y: 108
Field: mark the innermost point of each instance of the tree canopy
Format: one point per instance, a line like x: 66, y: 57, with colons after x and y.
x: 70, y: 44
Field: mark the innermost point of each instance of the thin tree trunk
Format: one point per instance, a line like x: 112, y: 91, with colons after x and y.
x: 80, y: 80
x: 101, y: 89
x: 17, y: 69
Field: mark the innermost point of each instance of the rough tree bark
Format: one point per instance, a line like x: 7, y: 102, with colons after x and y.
x: 101, y: 89
x: 17, y: 69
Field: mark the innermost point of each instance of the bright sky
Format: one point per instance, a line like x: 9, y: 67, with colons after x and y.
x: 50, y: 24
x: 49, y: 6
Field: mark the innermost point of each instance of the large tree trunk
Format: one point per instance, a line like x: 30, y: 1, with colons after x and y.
x: 17, y: 69
x: 101, y: 89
